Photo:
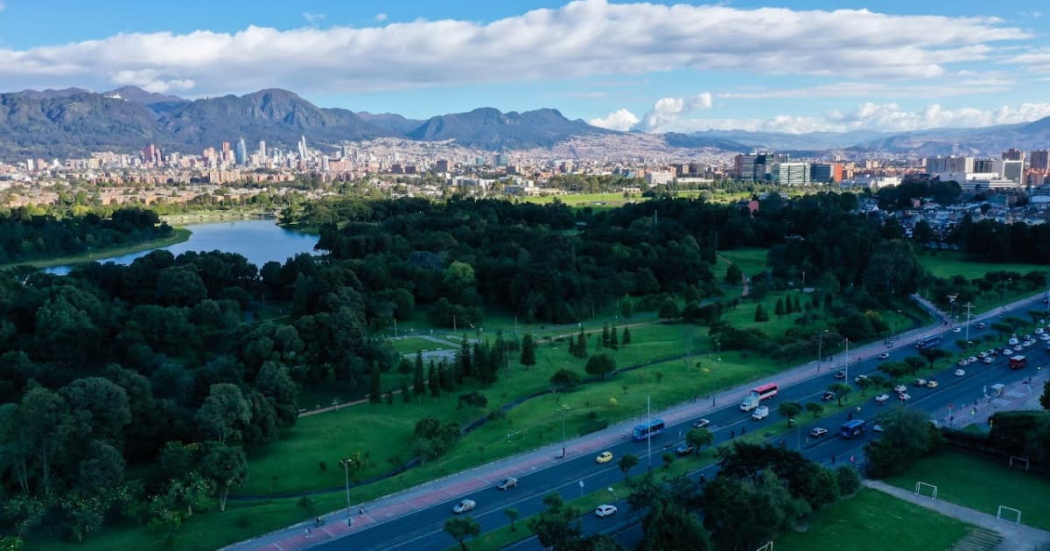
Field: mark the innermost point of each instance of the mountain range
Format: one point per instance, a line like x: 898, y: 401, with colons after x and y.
x: 74, y: 122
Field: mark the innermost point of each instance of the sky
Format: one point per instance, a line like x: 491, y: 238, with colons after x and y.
x: 800, y: 66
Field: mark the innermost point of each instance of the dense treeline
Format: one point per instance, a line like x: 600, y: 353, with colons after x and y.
x: 24, y: 235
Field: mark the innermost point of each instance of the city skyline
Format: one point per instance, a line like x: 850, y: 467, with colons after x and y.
x: 658, y: 67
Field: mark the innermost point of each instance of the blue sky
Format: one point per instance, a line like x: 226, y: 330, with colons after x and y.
x: 786, y: 66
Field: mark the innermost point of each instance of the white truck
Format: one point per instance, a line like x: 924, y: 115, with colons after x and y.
x: 750, y: 403
x: 761, y: 412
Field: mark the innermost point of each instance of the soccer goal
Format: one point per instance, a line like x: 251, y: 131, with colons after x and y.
x: 766, y: 547
x: 1017, y: 518
x: 1020, y: 460
x: 920, y: 485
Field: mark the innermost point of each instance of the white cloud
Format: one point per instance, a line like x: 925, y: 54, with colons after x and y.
x: 380, y: 17
x: 666, y: 111
x: 988, y: 84
x: 585, y: 38
x: 621, y: 119
x: 3, y: 6
x: 888, y: 117
x: 313, y: 17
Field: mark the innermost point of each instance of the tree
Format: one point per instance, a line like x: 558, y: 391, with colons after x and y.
x: 557, y: 524
x: 734, y: 276
x: 626, y: 307
x: 848, y: 480
x: 699, y: 438
x: 669, y: 310
x: 100, y: 406
x: 528, y: 351
x: 605, y: 335
x: 511, y: 514
x: 627, y: 462
x: 778, y: 309
x: 760, y: 314
x: 614, y: 341
x: 375, y: 395
x: 814, y: 408
x: 472, y: 399
x: 915, y: 363
x: 1044, y: 400
x: 601, y: 365
x: 907, y: 437
x: 841, y: 390
x: 626, y: 336
x: 564, y: 380
x: 931, y: 355
x: 406, y: 395
x: 226, y: 467
x: 669, y: 526
x: 895, y: 370
x: 789, y: 409
x: 461, y: 528
x: 417, y: 375
x: 224, y: 413
x: 864, y: 384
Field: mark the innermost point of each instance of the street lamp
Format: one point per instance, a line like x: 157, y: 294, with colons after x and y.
x: 346, y: 472
x: 820, y: 346
x: 951, y: 307
x: 616, y: 498
x: 563, y: 409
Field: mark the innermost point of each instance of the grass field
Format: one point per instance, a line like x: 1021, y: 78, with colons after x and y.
x: 178, y: 236
x: 875, y: 521
x: 982, y: 484
x: 751, y: 261
x: 947, y: 264
x: 411, y: 345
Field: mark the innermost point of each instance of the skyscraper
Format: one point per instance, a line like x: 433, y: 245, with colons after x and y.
x: 226, y: 157
x: 1040, y: 159
x: 302, y: 148
x: 241, y: 152
x: 262, y: 150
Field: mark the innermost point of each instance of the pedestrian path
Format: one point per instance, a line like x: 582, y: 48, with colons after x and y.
x: 1015, y: 537
x: 437, y: 491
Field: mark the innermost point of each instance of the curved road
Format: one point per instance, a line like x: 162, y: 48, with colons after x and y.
x: 416, y: 519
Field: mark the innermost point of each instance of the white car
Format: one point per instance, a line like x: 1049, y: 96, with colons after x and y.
x: 884, y: 356
x: 901, y: 388
x: 605, y: 511
x: 957, y: 330
x: 464, y: 506
x: 1007, y: 351
x: 960, y: 372
x: 877, y: 428
x: 904, y: 396
x: 989, y: 360
x: 982, y: 355
x: 972, y: 359
x: 761, y: 412
x: 964, y: 362
x: 919, y: 382
x: 882, y: 398
x: 1039, y: 331
x: 1013, y: 341
x: 1044, y: 337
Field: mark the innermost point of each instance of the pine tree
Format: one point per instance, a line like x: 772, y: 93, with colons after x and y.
x: 779, y: 309
x: 463, y: 358
x: 528, y: 351
x: 605, y: 336
x: 581, y: 345
x: 376, y: 394
x: 572, y: 346
x: 760, y: 314
x: 417, y: 380
x: 626, y: 336
x: 435, y: 381
x: 614, y: 341
x: 446, y: 375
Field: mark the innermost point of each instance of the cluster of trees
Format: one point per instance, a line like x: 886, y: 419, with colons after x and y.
x: 908, y: 437
x: 26, y: 235
x: 902, y: 196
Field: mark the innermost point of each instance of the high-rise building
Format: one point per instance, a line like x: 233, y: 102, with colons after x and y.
x: 262, y: 150
x: 744, y: 167
x: 151, y: 155
x: 302, y: 148
x: 938, y: 165
x: 1013, y: 154
x: 984, y: 165
x: 790, y: 173
x: 826, y: 173
x: 1039, y: 159
x: 226, y: 155
x: 241, y: 153
x: 442, y: 165
x: 501, y: 159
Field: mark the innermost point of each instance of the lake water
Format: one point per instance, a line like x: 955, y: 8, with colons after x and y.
x: 260, y: 241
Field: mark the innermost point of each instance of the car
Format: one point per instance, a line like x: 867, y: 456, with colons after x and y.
x: 761, y: 412
x: 982, y: 355
x: 860, y: 378
x: 877, y: 428
x: 884, y: 356
x: 972, y: 359
x: 920, y: 382
x: 1044, y: 337
x: 960, y: 372
x: 818, y: 432
x: 1027, y: 344
x: 840, y: 374
x: 900, y: 388
x: 684, y: 449
x: 507, y: 483
x: 1013, y: 341
x: 1039, y: 331
x: 964, y: 362
x: 828, y: 396
x: 932, y: 383
x: 605, y: 511
x: 904, y: 396
x: 464, y: 506
x: 988, y: 360
x: 604, y: 457
x: 957, y: 330
x: 1007, y: 351
x: 881, y: 398
x: 701, y: 424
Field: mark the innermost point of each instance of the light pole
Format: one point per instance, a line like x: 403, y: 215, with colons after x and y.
x: 968, y: 306
x: 847, y: 362
x: 951, y: 308
x: 346, y: 474
x: 820, y: 346
x: 563, y: 409
x: 616, y: 498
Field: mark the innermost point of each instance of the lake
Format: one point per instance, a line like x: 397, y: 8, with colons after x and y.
x: 260, y: 241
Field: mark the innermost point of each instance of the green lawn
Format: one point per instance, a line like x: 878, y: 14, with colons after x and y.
x: 411, y: 345
x: 178, y: 236
x: 876, y: 521
x: 982, y: 484
x: 946, y: 264
x: 750, y: 260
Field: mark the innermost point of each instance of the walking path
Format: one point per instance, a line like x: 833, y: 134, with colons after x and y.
x: 437, y: 491
x: 1015, y: 537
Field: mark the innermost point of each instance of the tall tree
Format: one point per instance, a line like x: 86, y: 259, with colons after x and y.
x: 557, y: 524
x: 627, y: 462
x: 601, y: 364
x: 528, y: 351
x: 626, y: 336
x: 417, y: 382
x: 461, y: 528
x: 614, y: 340
x: 225, y: 413
x: 669, y: 526
x: 226, y: 466
x: 375, y: 394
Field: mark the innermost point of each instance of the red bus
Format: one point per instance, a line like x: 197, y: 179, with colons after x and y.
x: 1017, y: 362
x: 765, y: 391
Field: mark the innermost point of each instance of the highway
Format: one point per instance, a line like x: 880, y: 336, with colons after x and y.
x: 423, y: 529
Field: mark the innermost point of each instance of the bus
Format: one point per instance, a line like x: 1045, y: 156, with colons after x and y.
x: 928, y: 342
x: 853, y: 428
x: 648, y: 430
x: 1017, y: 362
x: 758, y: 394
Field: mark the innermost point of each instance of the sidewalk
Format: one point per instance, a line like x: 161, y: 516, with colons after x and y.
x: 1015, y: 538
x: 391, y: 506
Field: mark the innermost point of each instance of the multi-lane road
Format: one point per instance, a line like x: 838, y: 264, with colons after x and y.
x: 423, y: 528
